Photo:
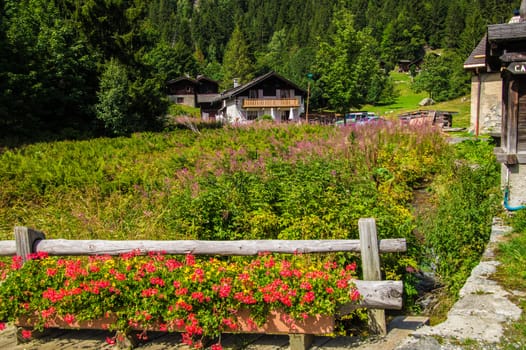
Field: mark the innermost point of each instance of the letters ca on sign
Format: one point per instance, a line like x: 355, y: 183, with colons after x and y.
x: 517, y: 67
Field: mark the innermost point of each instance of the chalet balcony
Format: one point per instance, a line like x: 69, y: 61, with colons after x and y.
x: 271, y: 103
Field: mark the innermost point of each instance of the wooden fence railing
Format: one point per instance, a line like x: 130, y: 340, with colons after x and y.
x: 376, y: 295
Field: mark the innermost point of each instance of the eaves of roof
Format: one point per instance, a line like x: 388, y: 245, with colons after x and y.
x: 237, y: 90
x: 477, y: 58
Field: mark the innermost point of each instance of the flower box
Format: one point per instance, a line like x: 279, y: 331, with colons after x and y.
x: 277, y: 323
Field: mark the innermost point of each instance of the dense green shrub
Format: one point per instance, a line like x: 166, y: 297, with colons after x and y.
x: 458, y: 224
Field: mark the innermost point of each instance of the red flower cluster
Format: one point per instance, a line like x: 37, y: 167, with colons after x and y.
x: 192, y: 295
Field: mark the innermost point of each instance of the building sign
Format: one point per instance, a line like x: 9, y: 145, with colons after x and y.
x: 517, y: 67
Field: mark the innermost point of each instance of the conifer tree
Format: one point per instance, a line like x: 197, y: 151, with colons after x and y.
x: 236, y: 62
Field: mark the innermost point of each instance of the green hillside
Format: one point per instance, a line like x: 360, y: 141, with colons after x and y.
x: 408, y: 101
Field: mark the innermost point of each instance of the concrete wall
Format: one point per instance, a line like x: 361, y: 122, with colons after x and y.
x: 490, y: 106
x: 188, y: 100
x: 515, y: 177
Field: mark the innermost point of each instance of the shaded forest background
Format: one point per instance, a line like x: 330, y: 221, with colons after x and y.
x: 78, y: 68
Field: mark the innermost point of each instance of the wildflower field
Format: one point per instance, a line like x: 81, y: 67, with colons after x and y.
x: 262, y: 181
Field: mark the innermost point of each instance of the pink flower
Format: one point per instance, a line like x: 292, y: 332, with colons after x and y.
x: 309, y: 297
x: 149, y: 292
x: 216, y: 346
x: 229, y: 323
x: 224, y: 290
x: 355, y: 295
x: 306, y: 286
x: 181, y: 291
x: 2, y: 326
x: 190, y: 260
x: 342, y: 283
x: 26, y: 333
x: 110, y: 341
x: 173, y: 264
x: 48, y: 312
x: 16, y: 263
x: 157, y: 281
x: 69, y: 318
x: 351, y: 267
x: 199, y: 296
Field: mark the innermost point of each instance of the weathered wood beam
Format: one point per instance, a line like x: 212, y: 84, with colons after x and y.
x: 385, y: 295
x: 7, y: 248
x: 26, y: 239
x: 371, y: 269
x: 242, y: 247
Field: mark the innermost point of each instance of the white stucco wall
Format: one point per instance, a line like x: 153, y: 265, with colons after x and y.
x: 490, y: 106
x: 188, y: 100
x: 233, y: 113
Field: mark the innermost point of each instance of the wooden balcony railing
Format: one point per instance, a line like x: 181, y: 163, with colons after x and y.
x: 271, y: 102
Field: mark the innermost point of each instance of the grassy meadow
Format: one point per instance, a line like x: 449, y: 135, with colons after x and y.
x: 409, y: 101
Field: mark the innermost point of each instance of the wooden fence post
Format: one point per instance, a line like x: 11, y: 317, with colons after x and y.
x: 371, y: 268
x: 25, y: 240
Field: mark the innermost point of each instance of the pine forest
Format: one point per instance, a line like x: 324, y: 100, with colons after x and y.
x: 66, y: 66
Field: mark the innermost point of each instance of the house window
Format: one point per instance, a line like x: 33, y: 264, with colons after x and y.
x: 252, y: 93
x: 269, y: 91
x: 252, y: 115
x: 180, y: 100
x: 285, y: 93
x: 285, y: 115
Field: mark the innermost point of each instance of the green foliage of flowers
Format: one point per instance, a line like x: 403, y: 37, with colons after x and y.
x: 261, y: 181
x: 458, y: 224
x: 197, y: 296
x: 512, y: 276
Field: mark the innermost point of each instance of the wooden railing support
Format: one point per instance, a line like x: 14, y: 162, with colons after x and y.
x: 26, y: 239
x: 371, y: 269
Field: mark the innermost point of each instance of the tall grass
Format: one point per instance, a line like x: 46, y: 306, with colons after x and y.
x: 295, y: 181
x: 262, y: 181
x: 457, y: 225
x: 512, y: 276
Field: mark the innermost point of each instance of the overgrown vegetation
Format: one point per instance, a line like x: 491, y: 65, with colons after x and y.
x: 512, y: 276
x: 457, y: 225
x: 263, y: 181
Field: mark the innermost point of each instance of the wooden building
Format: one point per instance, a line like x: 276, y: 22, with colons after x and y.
x: 267, y: 95
x: 199, y: 92
x: 506, y: 53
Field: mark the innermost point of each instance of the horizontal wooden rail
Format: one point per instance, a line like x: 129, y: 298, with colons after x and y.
x: 63, y: 247
x: 243, y: 247
x: 7, y: 248
x: 385, y: 295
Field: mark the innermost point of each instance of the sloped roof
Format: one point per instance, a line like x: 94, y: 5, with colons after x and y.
x: 237, y: 90
x: 507, y: 32
x: 173, y: 81
x: 477, y: 58
x: 204, y: 77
